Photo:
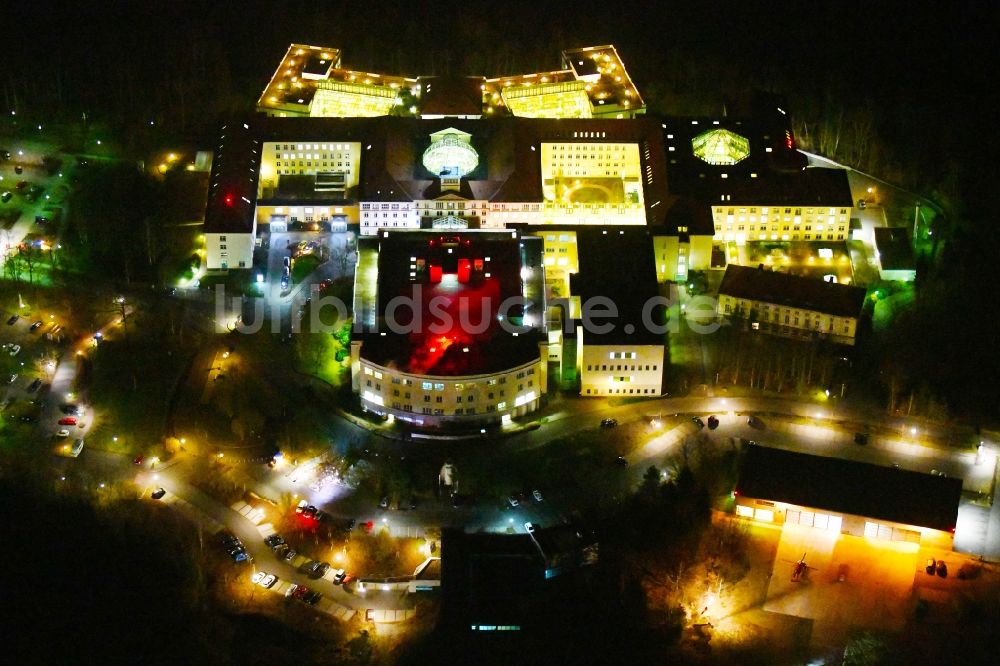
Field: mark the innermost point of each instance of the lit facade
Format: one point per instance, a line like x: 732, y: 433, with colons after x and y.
x: 615, y: 370
x: 789, y: 321
x: 782, y: 222
x: 430, y: 400
x: 844, y: 497
x: 789, y: 305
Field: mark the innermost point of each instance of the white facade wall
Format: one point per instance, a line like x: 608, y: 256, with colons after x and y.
x: 791, y: 321
x: 229, y: 250
x: 431, y: 400
x: 395, y: 215
x: 621, y: 369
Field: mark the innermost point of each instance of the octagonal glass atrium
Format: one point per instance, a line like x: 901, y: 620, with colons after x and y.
x: 720, y: 147
x: 450, y: 154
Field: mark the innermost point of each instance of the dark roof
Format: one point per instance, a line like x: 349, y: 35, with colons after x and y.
x: 451, y: 96
x: 617, y: 263
x: 895, y: 251
x: 232, y: 189
x: 685, y: 212
x: 861, y: 489
x: 759, y: 284
x: 773, y: 173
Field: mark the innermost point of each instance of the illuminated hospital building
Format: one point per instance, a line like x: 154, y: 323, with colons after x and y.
x: 567, y: 159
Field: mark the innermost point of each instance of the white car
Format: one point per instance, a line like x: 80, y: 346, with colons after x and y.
x: 537, y: 494
x: 529, y: 528
x: 15, y: 350
x: 63, y: 433
x: 263, y: 579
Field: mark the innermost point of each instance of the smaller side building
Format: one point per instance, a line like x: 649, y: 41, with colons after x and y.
x: 790, y: 305
x: 847, y: 497
x: 620, y: 320
x: 894, y: 254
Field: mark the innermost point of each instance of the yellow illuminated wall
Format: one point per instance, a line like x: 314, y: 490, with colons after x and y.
x: 549, y: 100
x: 560, y: 261
x: 280, y: 158
x: 786, y: 223
x: 340, y: 99
x: 620, y: 369
x: 790, y: 321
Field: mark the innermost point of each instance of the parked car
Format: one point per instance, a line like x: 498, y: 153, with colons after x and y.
x: 384, y: 503
x: 713, y: 422
x: 313, y: 597
x: 138, y: 460
x: 529, y: 528
x: 289, y: 555
x: 37, y: 325
x: 6, y: 196
x: 274, y: 541
x: 158, y: 493
x: 263, y: 579
x: 13, y: 320
x: 338, y: 576
x: 860, y: 438
x: 698, y: 422
x: 621, y: 462
x: 12, y: 378
x: 76, y: 449
x: 512, y: 501
x: 15, y: 350
x: 537, y: 494
x: 609, y: 423
x: 931, y: 566
x: 34, y: 386
x: 942, y: 569
x: 755, y: 422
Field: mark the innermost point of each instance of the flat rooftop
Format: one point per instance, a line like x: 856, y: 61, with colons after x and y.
x: 440, y: 299
x: 617, y: 264
x: 846, y: 486
x: 793, y: 291
x: 895, y: 251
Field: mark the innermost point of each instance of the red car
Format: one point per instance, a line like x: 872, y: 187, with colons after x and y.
x: 138, y: 460
x: 67, y: 420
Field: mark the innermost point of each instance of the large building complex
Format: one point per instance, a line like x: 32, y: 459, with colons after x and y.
x: 790, y: 305
x: 555, y: 182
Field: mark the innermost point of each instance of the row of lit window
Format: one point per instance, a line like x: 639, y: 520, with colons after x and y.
x: 631, y: 368
x: 774, y: 227
x: 314, y: 146
x: 643, y: 391
x: 788, y: 211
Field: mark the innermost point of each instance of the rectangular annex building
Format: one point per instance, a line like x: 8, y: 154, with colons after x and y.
x: 791, y: 305
x: 848, y: 497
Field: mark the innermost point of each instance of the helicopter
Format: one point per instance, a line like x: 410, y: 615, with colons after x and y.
x: 800, y: 570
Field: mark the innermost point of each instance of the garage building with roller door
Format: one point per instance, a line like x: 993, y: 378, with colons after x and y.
x: 860, y: 499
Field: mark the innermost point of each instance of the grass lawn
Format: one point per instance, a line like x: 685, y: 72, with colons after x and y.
x: 303, y: 266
